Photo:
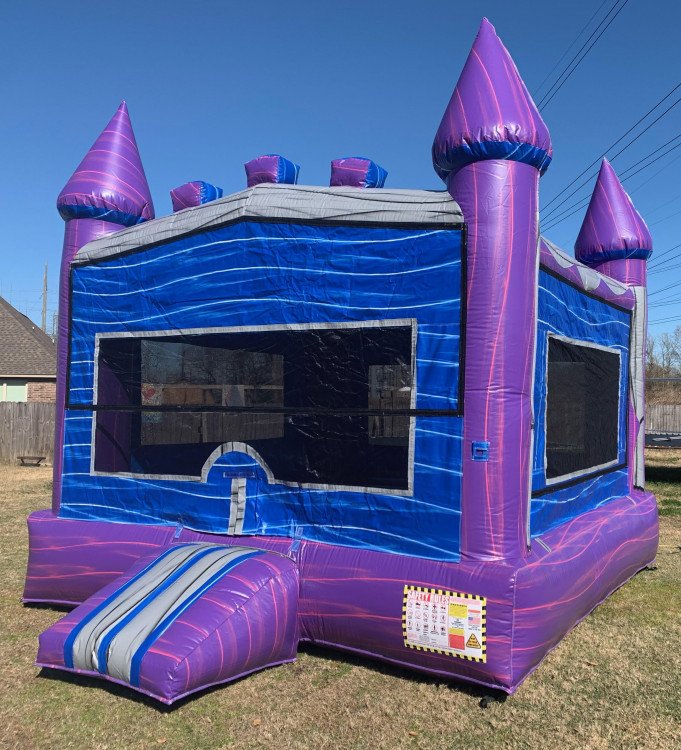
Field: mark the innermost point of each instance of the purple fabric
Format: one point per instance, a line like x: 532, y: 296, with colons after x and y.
x: 110, y: 182
x: 70, y: 561
x: 189, y: 195
x: 77, y: 233
x: 111, y: 176
x: 615, y: 240
x: 186, y: 196
x: 244, y: 622
x: 571, y: 274
x: 490, y: 104
x: 352, y: 171
x: 270, y: 168
x: 352, y: 599
x: 590, y: 557
x: 612, y: 227
x: 499, y: 201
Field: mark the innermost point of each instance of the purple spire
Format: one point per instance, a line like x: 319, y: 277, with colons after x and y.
x: 109, y: 184
x: 612, y: 228
x: 491, y: 114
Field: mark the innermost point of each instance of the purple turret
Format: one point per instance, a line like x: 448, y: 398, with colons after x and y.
x: 107, y: 192
x: 615, y: 240
x: 490, y: 150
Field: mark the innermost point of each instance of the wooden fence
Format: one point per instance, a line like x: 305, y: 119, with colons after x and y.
x: 663, y: 418
x: 26, y: 430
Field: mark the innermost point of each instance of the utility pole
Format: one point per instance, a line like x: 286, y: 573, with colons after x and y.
x: 44, y: 318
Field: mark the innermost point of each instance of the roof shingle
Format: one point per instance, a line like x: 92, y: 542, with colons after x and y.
x: 25, y: 350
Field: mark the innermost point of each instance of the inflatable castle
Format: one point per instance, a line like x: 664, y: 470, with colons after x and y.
x: 395, y: 422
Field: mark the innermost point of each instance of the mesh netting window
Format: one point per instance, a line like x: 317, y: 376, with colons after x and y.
x: 582, y: 408
x: 316, y: 404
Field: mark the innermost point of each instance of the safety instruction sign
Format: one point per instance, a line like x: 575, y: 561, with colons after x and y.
x: 444, y: 622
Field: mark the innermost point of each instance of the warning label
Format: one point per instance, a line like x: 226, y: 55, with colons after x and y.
x: 473, y: 642
x: 445, y: 622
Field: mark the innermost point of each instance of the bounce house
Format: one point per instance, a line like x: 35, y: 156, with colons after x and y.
x: 395, y: 422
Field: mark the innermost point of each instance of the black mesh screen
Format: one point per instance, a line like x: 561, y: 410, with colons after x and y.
x: 317, y: 405
x: 582, y: 408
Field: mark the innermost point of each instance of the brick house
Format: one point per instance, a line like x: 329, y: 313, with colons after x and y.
x: 28, y: 358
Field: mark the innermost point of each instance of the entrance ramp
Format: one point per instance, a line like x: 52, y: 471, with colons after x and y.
x: 193, y: 616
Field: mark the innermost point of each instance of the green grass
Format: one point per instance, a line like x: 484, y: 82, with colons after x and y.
x: 612, y: 683
x: 663, y: 476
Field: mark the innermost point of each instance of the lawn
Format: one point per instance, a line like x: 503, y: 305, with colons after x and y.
x: 614, y: 682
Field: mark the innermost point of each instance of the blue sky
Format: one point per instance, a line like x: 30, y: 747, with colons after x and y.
x: 212, y: 84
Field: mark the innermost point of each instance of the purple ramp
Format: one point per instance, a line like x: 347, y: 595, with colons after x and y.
x: 107, y: 192
x: 195, y: 615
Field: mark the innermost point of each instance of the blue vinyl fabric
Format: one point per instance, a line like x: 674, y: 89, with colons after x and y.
x: 376, y: 175
x: 450, y: 162
x: 209, y: 192
x: 287, y: 171
x: 250, y: 274
x: 567, y: 311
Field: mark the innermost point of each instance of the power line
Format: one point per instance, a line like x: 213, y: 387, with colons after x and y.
x: 665, y: 320
x: 671, y: 216
x: 623, y: 175
x: 654, y: 175
x: 564, y: 55
x: 549, y: 96
x: 619, y: 153
x: 666, y: 203
x: 659, y: 257
x: 664, y: 289
x: 619, y: 140
x: 556, y: 219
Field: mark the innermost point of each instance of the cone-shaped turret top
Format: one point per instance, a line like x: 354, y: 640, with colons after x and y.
x: 109, y: 184
x: 612, y: 229
x: 491, y: 114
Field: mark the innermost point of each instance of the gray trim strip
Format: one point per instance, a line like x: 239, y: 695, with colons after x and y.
x: 590, y: 278
x: 590, y: 469
x: 637, y: 383
x: 239, y: 446
x: 85, y: 645
x: 125, y: 644
x: 289, y: 203
x: 127, y: 641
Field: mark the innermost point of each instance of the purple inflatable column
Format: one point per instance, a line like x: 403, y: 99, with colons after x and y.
x: 107, y: 192
x: 490, y: 149
x: 615, y: 241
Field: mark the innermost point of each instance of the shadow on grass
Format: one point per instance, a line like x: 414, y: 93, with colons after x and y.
x: 46, y: 605
x: 668, y: 474
x: 485, y: 696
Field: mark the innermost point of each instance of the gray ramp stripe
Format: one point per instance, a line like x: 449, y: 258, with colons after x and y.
x: 125, y: 644
x: 237, y: 506
x: 85, y: 645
